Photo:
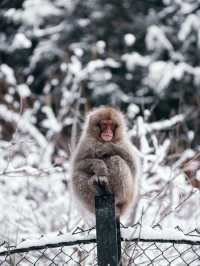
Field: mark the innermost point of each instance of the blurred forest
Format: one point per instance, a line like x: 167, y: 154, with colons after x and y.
x: 59, y: 59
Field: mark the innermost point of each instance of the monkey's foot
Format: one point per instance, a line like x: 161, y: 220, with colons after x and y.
x: 100, y: 182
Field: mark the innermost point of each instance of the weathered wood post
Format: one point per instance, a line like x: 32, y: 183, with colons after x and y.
x: 119, y: 242
x: 107, y: 230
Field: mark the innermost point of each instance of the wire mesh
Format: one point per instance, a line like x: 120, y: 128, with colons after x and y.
x: 160, y: 254
x: 135, y: 251
x: 76, y: 255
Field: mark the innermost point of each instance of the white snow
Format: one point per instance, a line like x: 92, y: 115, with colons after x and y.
x: 146, y: 232
x: 160, y: 75
x: 23, y: 124
x: 31, y: 14
x: 63, y: 67
x: 9, y: 73
x: 75, y: 66
x: 181, y: 69
x: 23, y: 90
x: 55, y: 239
x: 142, y: 131
x: 78, y: 52
x: 100, y: 45
x: 129, y: 39
x: 128, y: 234
x: 20, y: 41
x: 135, y: 59
x: 83, y: 22
x: 98, y: 64
x: 162, y: 72
x: 156, y: 39
x: 198, y: 175
x: 133, y: 110
x: 51, y: 121
x: 49, y: 31
x: 112, y: 63
x: 166, y: 124
x: 191, y: 22
x: 9, y: 98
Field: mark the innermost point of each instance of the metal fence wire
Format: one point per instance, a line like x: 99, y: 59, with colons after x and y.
x: 110, y: 243
x: 78, y: 255
x: 159, y: 252
x: 82, y: 251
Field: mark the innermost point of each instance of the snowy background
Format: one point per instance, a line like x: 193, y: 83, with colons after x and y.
x: 58, y: 59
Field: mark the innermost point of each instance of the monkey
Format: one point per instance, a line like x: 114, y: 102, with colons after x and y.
x: 105, y: 156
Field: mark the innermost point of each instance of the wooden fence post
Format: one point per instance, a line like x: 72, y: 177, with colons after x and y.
x: 118, y: 242
x: 107, y: 230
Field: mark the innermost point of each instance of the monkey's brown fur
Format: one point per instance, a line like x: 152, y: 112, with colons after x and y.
x: 115, y: 163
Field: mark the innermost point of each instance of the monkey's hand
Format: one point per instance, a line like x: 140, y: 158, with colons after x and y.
x: 99, y: 168
x: 104, y: 151
x: 100, y: 183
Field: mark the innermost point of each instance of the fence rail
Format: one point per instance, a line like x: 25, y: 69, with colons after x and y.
x: 135, y: 251
x: 110, y: 244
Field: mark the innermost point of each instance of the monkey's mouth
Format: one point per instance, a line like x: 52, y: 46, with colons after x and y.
x: 106, y: 136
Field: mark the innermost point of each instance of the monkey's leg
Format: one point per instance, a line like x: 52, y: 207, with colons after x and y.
x: 121, y: 183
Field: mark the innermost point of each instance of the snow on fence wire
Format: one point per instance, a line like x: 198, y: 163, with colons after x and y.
x: 140, y: 246
x: 108, y: 244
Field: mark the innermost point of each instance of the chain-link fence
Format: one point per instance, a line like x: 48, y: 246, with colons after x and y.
x: 109, y: 244
x: 163, y: 251
x: 80, y: 249
x: 77, y: 255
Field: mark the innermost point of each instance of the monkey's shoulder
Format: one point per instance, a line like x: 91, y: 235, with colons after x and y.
x: 85, y: 149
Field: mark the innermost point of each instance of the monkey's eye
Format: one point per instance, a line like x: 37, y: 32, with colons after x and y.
x: 98, y: 125
x: 115, y: 126
x: 104, y: 124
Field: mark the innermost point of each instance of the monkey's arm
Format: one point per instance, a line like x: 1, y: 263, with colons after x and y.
x: 92, y: 166
x: 111, y: 149
x: 129, y: 155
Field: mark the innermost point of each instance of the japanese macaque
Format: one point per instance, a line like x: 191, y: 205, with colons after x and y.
x: 105, y: 156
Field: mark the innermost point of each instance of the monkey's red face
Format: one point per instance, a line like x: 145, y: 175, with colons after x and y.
x: 107, y: 130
